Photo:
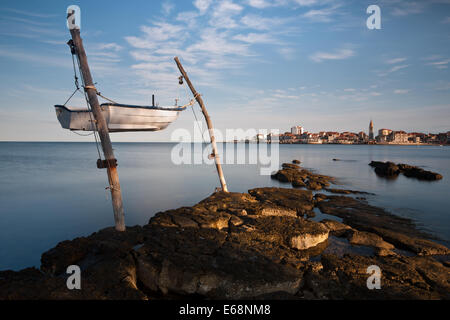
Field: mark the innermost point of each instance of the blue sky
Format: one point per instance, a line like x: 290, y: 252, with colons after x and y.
x: 263, y: 64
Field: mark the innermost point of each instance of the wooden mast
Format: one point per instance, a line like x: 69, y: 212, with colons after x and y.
x: 209, y: 124
x: 110, y: 163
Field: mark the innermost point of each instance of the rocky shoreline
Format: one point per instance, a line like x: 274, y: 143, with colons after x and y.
x: 262, y: 244
x: 392, y: 170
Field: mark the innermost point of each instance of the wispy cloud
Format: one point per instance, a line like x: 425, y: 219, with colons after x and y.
x: 223, y: 15
x: 322, y: 15
x: 33, y: 58
x: 217, y: 43
x: 260, y: 4
x: 336, y: 55
x: 401, y: 91
x: 393, y: 69
x: 30, y: 13
x: 25, y: 20
x: 110, y: 46
x: 441, y: 64
x: 257, y: 22
x: 408, y: 8
x: 154, y: 35
x: 395, y: 60
x: 256, y: 38
x: 437, y: 61
x: 308, y: 2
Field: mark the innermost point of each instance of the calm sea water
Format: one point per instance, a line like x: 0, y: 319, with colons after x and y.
x: 51, y: 192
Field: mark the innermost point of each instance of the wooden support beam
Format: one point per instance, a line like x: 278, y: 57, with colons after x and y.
x: 208, y: 123
x: 103, y: 132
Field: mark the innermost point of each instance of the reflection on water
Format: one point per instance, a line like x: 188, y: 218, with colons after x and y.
x: 53, y: 191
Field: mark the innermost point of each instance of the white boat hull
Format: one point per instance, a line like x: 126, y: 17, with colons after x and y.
x: 120, y: 118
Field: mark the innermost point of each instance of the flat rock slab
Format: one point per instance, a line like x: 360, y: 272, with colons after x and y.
x: 301, y: 201
x: 401, y: 278
x: 381, y: 226
x: 300, y: 177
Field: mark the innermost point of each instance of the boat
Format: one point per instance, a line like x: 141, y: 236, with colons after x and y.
x: 119, y: 117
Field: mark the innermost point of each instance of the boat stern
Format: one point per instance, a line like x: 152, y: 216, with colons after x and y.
x: 63, y: 115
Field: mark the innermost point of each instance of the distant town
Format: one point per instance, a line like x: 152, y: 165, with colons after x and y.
x: 385, y: 136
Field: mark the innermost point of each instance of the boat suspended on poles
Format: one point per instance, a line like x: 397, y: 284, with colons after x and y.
x: 119, y: 117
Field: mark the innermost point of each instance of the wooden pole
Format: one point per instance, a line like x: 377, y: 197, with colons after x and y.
x: 208, y: 123
x: 103, y: 132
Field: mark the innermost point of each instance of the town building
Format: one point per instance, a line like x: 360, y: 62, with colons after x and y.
x: 297, y: 130
x: 371, y: 137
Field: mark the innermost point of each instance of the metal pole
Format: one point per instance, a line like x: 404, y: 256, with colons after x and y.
x: 103, y: 132
x: 208, y: 123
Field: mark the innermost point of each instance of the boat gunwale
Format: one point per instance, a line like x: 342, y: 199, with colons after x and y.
x: 126, y: 106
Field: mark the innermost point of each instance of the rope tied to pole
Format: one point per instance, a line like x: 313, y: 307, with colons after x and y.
x: 99, y: 93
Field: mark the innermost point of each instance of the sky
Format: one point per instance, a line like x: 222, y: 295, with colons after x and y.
x: 259, y: 64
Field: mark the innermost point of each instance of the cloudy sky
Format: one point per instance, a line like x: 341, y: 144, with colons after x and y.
x: 263, y: 64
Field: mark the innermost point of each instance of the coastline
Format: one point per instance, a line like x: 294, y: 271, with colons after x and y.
x: 261, y: 244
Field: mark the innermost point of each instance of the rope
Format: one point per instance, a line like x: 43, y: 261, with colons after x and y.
x: 100, y: 95
x: 77, y: 89
x: 193, y: 111
x: 84, y: 135
x: 90, y: 112
x: 77, y: 86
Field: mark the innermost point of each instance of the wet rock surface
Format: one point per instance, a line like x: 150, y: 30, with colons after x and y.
x: 392, y: 170
x: 254, y: 245
x: 302, y: 178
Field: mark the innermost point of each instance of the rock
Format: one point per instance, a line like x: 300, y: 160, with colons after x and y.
x: 368, y: 239
x: 232, y: 263
x: 253, y: 245
x: 104, y: 242
x: 277, y: 211
x: 382, y: 252
x: 305, y: 241
x: 310, y: 214
x: 401, y: 278
x: 419, y: 173
x: 319, y: 197
x: 421, y: 247
x: 360, y: 215
x: 107, y: 265
x: 398, y: 231
x: 313, y: 185
x: 345, y: 191
x: 286, y: 175
x: 204, y: 263
x: 296, y: 161
x: 293, y: 199
x: 298, y: 183
x: 301, y: 177
x: 336, y: 228
x: 290, y: 166
x: 390, y: 169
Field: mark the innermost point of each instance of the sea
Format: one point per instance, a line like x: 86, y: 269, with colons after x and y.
x: 53, y: 191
